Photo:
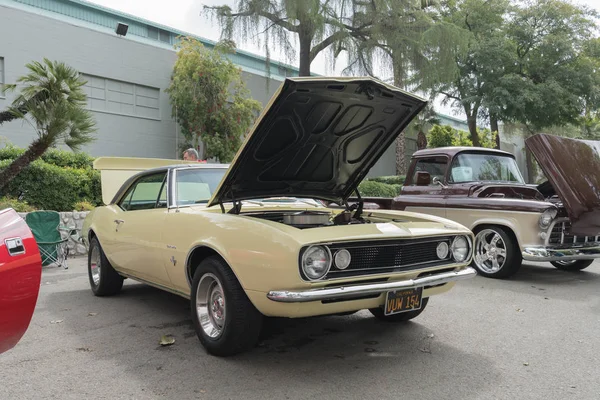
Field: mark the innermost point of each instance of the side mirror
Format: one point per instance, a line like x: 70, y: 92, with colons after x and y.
x: 423, y: 178
x: 437, y: 181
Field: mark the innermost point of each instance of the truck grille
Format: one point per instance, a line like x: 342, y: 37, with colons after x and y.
x: 375, y: 257
x: 561, y: 235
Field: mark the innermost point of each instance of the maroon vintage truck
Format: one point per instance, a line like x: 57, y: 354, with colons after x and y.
x: 483, y: 189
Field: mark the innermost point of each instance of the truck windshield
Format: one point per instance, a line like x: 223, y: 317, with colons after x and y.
x: 474, y: 167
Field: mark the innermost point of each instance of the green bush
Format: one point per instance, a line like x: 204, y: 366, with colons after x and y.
x: 17, y: 205
x: 83, y: 206
x: 390, y: 180
x: 60, y: 158
x: 50, y: 187
x: 377, y: 189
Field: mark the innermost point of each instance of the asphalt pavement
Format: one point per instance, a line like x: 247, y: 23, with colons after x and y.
x: 536, y: 336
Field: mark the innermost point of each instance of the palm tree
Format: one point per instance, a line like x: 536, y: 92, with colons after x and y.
x: 52, y: 101
x: 422, y: 123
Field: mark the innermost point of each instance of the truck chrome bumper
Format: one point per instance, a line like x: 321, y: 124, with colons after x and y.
x: 555, y: 254
x: 341, y: 292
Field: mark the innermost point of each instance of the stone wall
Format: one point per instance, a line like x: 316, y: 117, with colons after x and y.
x: 72, y: 219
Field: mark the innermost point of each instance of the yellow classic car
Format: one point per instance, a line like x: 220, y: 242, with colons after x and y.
x: 254, y: 239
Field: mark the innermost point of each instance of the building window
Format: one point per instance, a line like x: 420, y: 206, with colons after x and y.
x: 118, y: 97
x: 159, y: 34
x: 153, y: 33
x: 165, y: 36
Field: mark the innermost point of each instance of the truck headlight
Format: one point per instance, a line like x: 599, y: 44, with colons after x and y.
x: 460, y: 248
x: 547, y: 217
x: 316, y: 262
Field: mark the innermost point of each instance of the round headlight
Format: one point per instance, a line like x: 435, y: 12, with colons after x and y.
x: 442, y: 250
x: 460, y: 248
x: 342, y: 259
x: 316, y: 262
x: 547, y: 217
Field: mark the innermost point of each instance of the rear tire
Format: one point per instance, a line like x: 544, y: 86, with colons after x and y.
x: 402, y: 317
x: 104, y: 280
x: 575, y: 265
x: 225, y: 320
x: 496, y: 253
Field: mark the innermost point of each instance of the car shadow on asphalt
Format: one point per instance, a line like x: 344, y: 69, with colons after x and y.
x: 357, y: 350
x: 550, y: 276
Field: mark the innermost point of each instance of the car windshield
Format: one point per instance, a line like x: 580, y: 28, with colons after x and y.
x: 197, y: 185
x: 472, y: 167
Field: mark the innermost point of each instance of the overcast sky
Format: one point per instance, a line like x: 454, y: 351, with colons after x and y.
x: 186, y: 15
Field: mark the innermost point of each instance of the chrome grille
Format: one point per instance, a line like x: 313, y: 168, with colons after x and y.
x: 373, y: 257
x: 561, y: 235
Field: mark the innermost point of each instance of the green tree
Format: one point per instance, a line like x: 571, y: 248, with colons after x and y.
x: 316, y: 24
x: 445, y: 135
x: 407, y: 39
x: 209, y: 98
x: 481, y: 24
x: 550, y: 78
x: 51, y: 99
x: 441, y: 136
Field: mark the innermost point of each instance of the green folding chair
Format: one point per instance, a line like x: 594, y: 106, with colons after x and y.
x: 46, y: 228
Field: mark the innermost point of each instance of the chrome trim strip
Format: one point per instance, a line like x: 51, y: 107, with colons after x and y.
x: 341, y: 292
x: 549, y: 254
x: 156, y: 285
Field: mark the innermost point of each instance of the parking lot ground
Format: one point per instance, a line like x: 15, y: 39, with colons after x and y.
x: 536, y: 336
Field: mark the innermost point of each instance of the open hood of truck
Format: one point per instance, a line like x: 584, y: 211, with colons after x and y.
x: 318, y: 138
x: 572, y: 166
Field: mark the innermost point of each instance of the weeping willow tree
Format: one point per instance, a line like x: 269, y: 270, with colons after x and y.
x: 409, y: 40
x: 315, y: 25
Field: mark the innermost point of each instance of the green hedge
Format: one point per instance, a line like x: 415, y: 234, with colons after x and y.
x: 56, y: 157
x: 17, y: 205
x: 390, y: 180
x: 52, y: 187
x: 378, y: 189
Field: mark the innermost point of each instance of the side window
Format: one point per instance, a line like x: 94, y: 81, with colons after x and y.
x: 436, y: 166
x: 145, y: 193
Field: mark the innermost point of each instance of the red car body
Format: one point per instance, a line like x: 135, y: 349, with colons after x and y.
x: 20, y: 275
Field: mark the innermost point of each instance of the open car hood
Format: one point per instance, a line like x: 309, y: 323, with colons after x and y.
x: 317, y: 138
x: 572, y: 167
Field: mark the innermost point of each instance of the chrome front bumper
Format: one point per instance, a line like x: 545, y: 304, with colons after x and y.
x: 556, y: 254
x: 340, y: 292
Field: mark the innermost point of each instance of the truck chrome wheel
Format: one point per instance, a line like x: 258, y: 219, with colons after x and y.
x: 210, y: 305
x: 490, y: 251
x: 95, y: 265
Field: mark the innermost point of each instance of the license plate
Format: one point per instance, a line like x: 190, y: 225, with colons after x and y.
x: 403, y: 300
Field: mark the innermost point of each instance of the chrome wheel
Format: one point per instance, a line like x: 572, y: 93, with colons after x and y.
x: 95, y: 265
x: 490, y: 251
x: 210, y: 305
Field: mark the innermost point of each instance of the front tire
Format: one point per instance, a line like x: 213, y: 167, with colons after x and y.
x: 104, y: 280
x: 401, y: 317
x: 225, y: 320
x: 574, y: 265
x: 496, y: 253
